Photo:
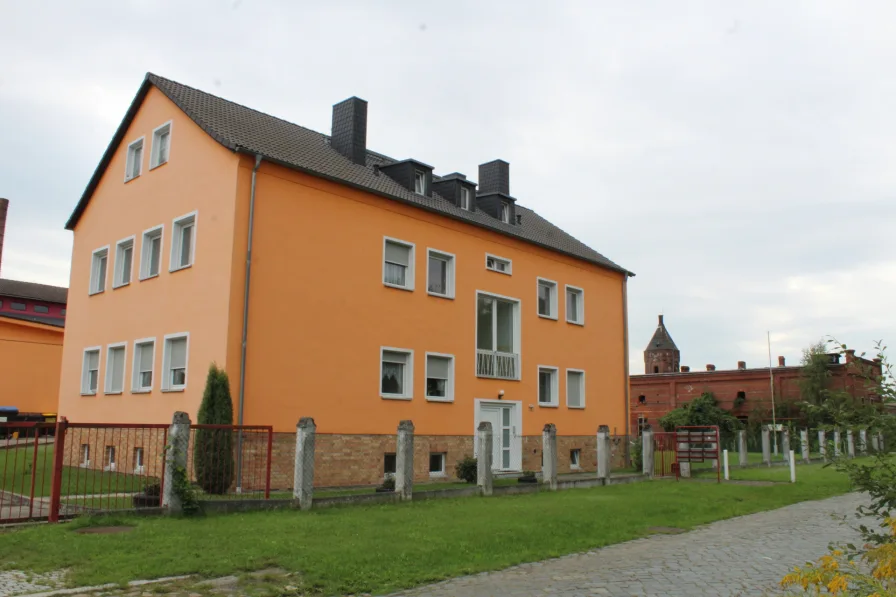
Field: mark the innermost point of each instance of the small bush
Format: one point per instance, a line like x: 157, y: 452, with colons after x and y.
x: 389, y: 483
x: 466, y: 469
x: 638, y: 454
x: 152, y: 490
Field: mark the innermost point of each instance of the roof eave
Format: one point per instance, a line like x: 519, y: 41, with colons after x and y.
x: 400, y: 199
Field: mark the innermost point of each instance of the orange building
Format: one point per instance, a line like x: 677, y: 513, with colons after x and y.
x: 32, y: 317
x: 333, y: 282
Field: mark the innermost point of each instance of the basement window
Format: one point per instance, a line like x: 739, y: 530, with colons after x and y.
x: 437, y: 464
x: 575, y: 458
x: 389, y: 464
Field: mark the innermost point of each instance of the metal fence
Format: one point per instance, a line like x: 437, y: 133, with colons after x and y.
x: 52, y: 471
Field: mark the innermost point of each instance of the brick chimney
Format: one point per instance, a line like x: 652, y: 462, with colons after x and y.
x: 348, y: 133
x: 685, y: 369
x: 741, y: 365
x: 781, y: 362
x: 4, y: 207
x: 710, y: 367
x: 850, y: 355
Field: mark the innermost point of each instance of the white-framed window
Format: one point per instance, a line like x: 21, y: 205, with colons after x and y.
x: 439, y: 377
x: 547, y: 298
x: 437, y: 464
x: 505, y: 213
x: 124, y: 262
x: 497, y: 336
x: 174, y: 362
x: 575, y: 458
x: 134, y: 164
x: 151, y: 252
x: 109, y: 463
x: 575, y: 305
x: 138, y: 460
x: 398, y: 263
x: 548, y: 386
x: 396, y: 373
x: 161, y: 145
x: 575, y: 388
x: 115, y: 360
x: 466, y: 199
x: 420, y: 182
x: 440, y: 273
x: 144, y: 357
x: 90, y: 371
x: 98, y: 262
x: 183, y: 241
x: 498, y: 264
x: 85, y: 455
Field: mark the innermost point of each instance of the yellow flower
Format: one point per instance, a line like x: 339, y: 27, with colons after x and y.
x: 837, y: 584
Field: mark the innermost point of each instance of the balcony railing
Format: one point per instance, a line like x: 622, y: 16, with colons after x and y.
x: 500, y: 365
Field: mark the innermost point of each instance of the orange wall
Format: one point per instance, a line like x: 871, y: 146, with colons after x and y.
x: 30, y: 357
x: 319, y: 314
x: 200, y: 175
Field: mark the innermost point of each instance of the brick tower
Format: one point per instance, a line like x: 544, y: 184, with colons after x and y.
x: 661, y: 355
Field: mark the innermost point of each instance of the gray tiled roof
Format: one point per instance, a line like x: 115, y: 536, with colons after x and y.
x: 33, y: 291
x: 58, y: 322
x: 243, y: 129
x: 661, y: 339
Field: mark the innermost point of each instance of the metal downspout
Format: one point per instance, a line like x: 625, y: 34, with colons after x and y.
x: 627, y: 406
x: 242, y: 394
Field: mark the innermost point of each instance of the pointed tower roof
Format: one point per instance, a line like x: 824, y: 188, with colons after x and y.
x: 661, y: 339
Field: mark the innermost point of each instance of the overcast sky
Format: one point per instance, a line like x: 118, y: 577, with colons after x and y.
x: 737, y: 156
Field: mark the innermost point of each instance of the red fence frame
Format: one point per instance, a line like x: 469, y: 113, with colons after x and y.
x: 703, y: 435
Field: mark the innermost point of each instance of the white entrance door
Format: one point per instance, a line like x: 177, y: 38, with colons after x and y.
x: 504, y: 434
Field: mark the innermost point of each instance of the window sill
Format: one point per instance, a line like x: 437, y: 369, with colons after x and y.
x: 143, y: 279
x: 551, y: 317
x: 127, y: 180
x: 437, y: 295
x: 580, y: 324
x: 112, y: 393
x: 438, y: 475
x: 397, y: 287
x: 116, y: 286
x: 575, y: 407
x: 575, y: 467
x: 497, y: 271
x: 173, y: 390
x: 548, y: 405
x: 88, y: 393
x: 395, y: 397
x: 439, y: 399
x: 158, y: 165
x: 141, y: 391
x: 95, y: 292
x: 171, y: 270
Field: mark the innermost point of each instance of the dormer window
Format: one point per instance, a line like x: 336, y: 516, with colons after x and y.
x: 419, y: 182
x: 466, y: 199
x: 505, y: 213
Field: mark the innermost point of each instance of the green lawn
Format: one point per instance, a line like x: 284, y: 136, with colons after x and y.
x: 17, y: 468
x: 385, y: 547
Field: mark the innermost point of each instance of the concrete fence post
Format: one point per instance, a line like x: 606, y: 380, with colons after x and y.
x: 822, y: 444
x: 742, y: 458
x: 766, y: 446
x: 303, y: 473
x: 647, y: 452
x: 404, y: 460
x: 484, y: 478
x: 875, y: 443
x: 785, y: 443
x: 863, y: 442
x: 684, y: 466
x: 850, y: 444
x: 837, y: 443
x: 880, y: 441
x: 804, y: 444
x: 176, y: 460
x: 549, y: 456
x: 603, y: 452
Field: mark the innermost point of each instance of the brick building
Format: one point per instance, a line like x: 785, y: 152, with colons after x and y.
x: 666, y: 384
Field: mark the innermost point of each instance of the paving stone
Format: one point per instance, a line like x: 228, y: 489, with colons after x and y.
x: 739, y: 556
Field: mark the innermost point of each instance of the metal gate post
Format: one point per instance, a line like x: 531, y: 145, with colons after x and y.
x: 33, y: 470
x: 58, y: 460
